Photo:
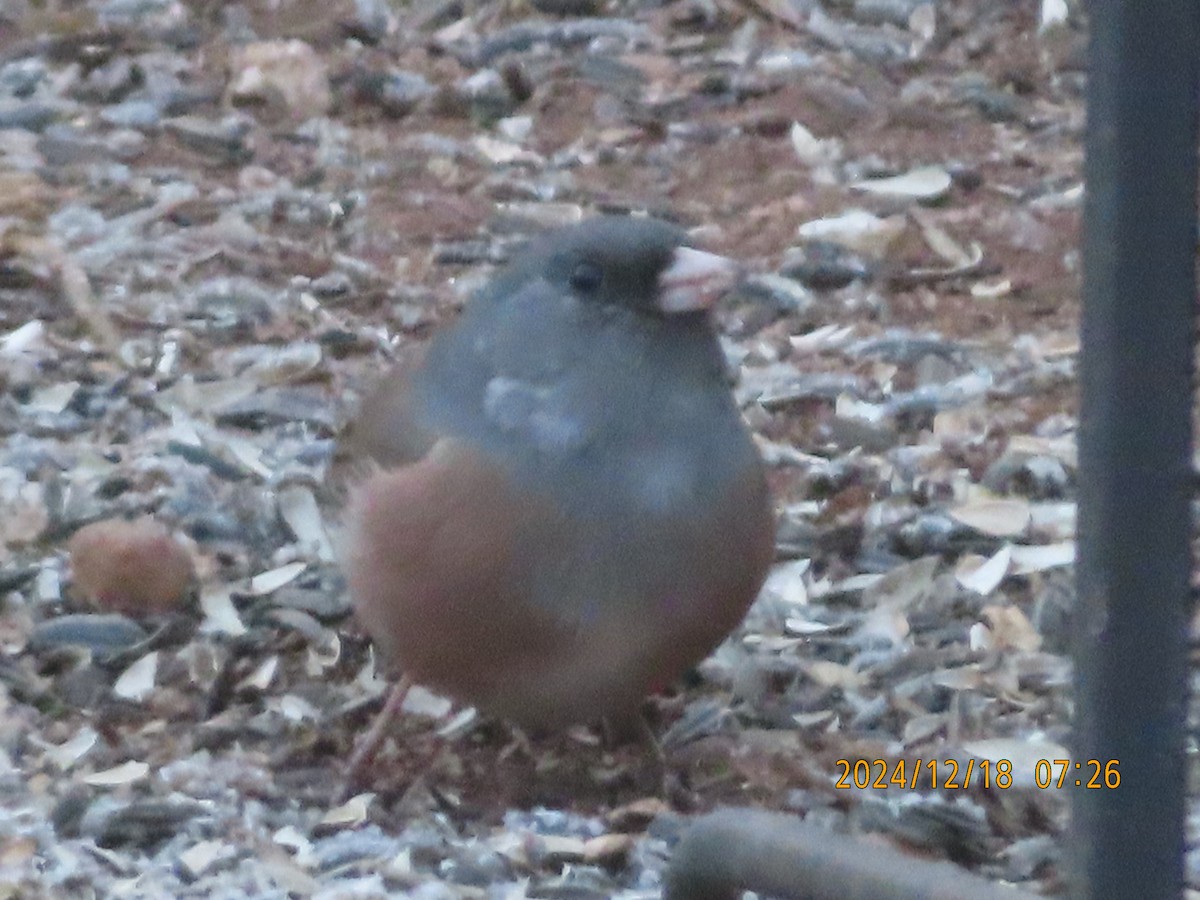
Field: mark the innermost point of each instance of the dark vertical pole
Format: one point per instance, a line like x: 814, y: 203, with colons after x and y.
x: 1135, y: 445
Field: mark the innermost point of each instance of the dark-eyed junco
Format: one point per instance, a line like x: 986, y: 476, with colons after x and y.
x: 560, y: 509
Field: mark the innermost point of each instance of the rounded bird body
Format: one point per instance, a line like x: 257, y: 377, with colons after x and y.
x: 563, y: 509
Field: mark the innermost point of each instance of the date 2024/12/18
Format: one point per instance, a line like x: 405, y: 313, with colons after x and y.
x: 951, y: 774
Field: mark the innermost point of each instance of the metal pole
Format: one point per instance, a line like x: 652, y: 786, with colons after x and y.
x: 731, y: 851
x: 1135, y: 445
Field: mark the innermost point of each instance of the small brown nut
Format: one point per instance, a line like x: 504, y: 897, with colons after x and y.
x: 136, y: 568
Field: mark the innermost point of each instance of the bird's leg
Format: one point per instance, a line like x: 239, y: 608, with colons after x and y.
x: 623, y: 728
x: 369, y: 745
x: 647, y: 736
x: 635, y: 727
x: 519, y: 742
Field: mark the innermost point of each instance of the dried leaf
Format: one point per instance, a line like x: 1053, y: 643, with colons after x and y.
x: 77, y: 290
x: 295, y: 840
x: 353, y: 812
x: 812, y: 151
x: 1026, y: 560
x: 813, y: 720
x: 903, y: 585
x: 137, y: 682
x: 922, y: 22
x: 1011, y: 629
x: 1054, y: 520
x: 299, y: 510
x: 422, y: 702
x: 831, y: 674
x: 53, y: 398
x: 286, y: 365
x: 609, y: 850
x: 220, y: 615
x: 992, y: 290
x: 922, y: 728
x: 262, y: 676
x: 297, y: 709
x: 288, y: 69
x: 25, y: 514
x: 1064, y: 449
x: 805, y: 628
x: 324, y: 655
x: 962, y: 678
x: 1023, y: 753
x: 27, y: 340
x: 856, y: 230
x: 984, y: 576
x: 63, y: 756
x: 998, y: 518
x: 1053, y: 12
x: 560, y: 848
x: 823, y: 339
x: 886, y: 622
x: 268, y: 582
x: 202, y: 856
x: 503, y: 153
x: 786, y: 582
x: 126, y: 773
x: 927, y: 183
x: 243, y: 451
x: 940, y: 242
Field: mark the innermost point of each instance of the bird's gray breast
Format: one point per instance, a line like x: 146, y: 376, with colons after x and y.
x: 613, y: 417
x: 631, y: 442
x: 536, y: 413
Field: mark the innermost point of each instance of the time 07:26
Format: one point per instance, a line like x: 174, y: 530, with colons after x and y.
x: 1089, y: 773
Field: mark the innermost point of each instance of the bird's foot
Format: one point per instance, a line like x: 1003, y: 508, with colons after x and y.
x: 370, y: 743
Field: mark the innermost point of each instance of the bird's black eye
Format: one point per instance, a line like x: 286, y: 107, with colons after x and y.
x: 586, y: 277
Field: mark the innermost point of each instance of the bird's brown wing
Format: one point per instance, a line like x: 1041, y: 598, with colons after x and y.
x: 384, y: 433
x: 435, y: 563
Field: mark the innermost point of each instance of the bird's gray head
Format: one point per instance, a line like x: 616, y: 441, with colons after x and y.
x: 639, y: 264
